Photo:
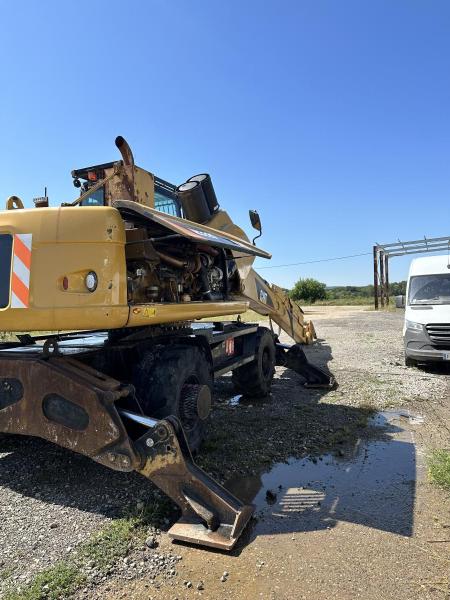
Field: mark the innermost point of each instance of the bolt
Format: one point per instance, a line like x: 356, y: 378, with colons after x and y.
x: 125, y: 461
x: 149, y: 442
x: 161, y: 431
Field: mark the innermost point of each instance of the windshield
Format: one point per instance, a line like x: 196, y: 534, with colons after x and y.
x: 95, y: 199
x: 429, y: 289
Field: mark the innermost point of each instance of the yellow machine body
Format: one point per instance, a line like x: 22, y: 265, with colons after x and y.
x: 67, y: 243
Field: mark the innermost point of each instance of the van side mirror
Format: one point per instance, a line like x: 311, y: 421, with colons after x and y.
x: 256, y: 223
x: 400, y: 301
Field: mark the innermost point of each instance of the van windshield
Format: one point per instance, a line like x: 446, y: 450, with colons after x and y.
x: 429, y: 289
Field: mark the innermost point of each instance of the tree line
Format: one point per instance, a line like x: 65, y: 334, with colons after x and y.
x: 311, y: 290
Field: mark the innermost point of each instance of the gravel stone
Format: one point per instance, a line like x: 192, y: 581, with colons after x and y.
x: 151, y: 542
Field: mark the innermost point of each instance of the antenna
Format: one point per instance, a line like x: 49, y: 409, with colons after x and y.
x: 41, y: 202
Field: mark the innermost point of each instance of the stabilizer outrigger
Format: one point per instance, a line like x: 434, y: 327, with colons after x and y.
x: 81, y: 411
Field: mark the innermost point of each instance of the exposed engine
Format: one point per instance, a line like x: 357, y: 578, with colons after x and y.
x: 160, y: 270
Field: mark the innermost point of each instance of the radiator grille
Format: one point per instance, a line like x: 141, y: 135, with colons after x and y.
x: 439, y: 333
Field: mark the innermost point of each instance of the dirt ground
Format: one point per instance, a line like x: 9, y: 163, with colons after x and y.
x: 344, y: 506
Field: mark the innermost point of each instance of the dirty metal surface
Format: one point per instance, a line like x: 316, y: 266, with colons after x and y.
x: 211, y: 515
x: 71, y: 404
x: 67, y: 403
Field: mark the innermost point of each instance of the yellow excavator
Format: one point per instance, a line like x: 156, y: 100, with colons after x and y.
x: 123, y: 278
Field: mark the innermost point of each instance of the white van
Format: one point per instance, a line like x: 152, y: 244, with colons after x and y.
x: 427, y: 312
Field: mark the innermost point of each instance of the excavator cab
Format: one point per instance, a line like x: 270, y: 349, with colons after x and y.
x: 165, y: 198
x: 85, y: 179
x: 102, y: 185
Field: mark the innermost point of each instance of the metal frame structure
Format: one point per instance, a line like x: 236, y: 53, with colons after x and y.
x: 383, y: 252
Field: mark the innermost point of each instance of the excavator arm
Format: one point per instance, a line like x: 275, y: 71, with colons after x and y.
x: 272, y: 301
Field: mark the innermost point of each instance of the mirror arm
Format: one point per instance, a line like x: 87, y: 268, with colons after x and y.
x: 258, y: 236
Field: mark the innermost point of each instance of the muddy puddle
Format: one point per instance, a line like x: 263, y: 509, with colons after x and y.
x: 371, y: 483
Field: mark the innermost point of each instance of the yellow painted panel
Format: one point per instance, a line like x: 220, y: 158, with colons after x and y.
x: 152, y: 314
x: 69, y: 242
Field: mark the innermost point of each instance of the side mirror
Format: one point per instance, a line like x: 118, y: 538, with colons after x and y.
x: 256, y: 223
x: 400, y: 302
x: 255, y: 220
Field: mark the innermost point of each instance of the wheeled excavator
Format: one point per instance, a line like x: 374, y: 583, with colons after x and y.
x: 113, y: 358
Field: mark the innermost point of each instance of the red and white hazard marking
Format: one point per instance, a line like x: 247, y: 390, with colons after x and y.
x: 229, y: 346
x: 20, y: 282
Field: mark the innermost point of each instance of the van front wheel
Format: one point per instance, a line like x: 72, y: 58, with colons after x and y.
x: 410, y: 362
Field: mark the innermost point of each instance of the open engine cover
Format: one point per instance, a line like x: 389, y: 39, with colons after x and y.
x: 193, y: 231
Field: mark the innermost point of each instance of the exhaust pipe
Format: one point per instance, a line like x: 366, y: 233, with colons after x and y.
x: 125, y: 151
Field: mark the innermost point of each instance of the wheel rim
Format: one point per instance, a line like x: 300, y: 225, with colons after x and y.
x: 194, y: 403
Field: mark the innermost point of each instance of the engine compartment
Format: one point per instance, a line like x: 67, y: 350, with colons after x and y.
x: 165, y: 267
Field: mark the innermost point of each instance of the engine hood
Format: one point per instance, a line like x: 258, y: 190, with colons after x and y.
x: 437, y: 313
x: 193, y: 231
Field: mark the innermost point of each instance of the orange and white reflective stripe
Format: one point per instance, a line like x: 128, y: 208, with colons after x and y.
x: 20, y: 279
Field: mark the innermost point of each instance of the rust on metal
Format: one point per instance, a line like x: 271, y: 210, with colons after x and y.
x: 68, y: 389
x: 71, y: 404
x: 211, y: 515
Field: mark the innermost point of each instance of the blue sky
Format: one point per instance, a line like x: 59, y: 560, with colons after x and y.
x: 331, y: 118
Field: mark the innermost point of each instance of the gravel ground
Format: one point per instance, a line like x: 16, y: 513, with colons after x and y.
x: 364, y: 351
x: 51, y: 500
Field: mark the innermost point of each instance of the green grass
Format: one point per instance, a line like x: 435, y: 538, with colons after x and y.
x: 250, y: 316
x: 101, y: 552
x: 347, y: 301
x: 11, y: 336
x: 7, y: 336
x: 59, y: 581
x: 110, y: 544
x: 439, y: 468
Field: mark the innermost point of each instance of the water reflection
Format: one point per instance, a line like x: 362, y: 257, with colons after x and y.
x: 372, y: 483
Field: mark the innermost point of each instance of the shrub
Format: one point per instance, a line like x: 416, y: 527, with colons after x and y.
x: 308, y: 290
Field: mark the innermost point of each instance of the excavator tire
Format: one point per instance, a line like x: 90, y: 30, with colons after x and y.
x: 255, y: 378
x: 160, y: 379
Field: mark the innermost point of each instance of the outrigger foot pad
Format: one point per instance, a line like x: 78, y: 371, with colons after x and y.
x: 211, y: 515
x: 294, y: 357
x: 224, y: 538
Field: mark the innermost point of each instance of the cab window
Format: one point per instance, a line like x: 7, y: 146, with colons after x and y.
x: 167, y: 203
x: 95, y: 199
